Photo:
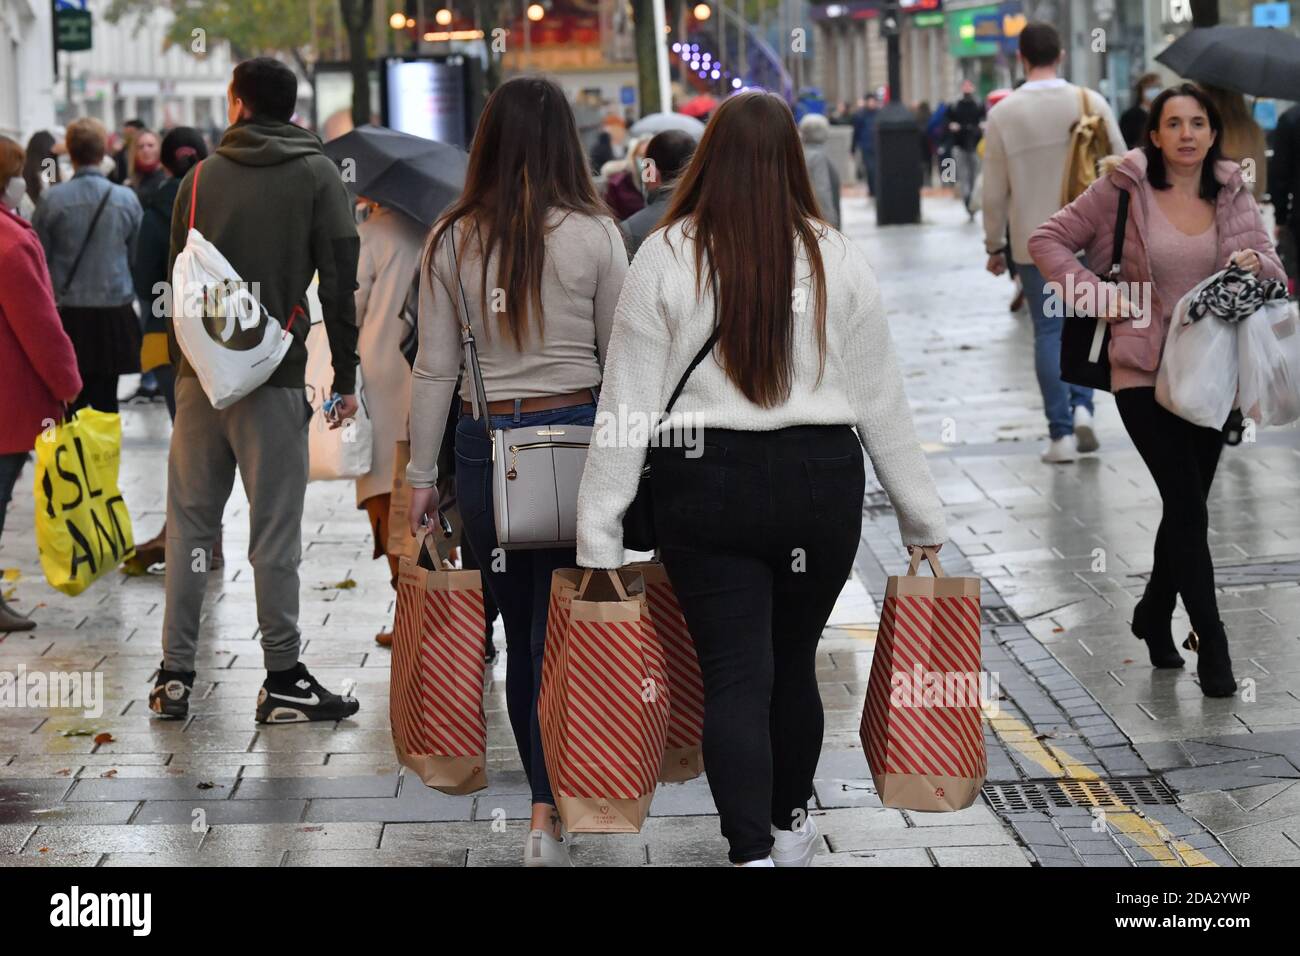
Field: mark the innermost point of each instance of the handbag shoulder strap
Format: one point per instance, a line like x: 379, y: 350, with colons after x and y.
x: 472, y: 367
x: 705, y: 349
x: 94, y: 221
x: 1121, y: 226
x: 194, y: 191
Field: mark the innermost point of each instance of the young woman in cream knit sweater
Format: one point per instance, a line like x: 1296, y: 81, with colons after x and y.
x: 757, y: 527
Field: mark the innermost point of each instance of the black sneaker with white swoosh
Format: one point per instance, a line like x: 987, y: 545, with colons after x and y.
x: 170, y: 696
x: 295, y: 697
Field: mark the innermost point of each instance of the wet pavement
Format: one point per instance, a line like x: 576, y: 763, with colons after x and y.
x: 1093, y: 758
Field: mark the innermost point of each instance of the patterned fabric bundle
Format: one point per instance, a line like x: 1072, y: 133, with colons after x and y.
x: 1235, y: 296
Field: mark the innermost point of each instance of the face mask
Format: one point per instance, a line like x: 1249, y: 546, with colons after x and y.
x: 1149, y: 93
x: 14, y: 190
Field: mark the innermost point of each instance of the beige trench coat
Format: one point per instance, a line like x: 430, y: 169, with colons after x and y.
x: 391, y: 244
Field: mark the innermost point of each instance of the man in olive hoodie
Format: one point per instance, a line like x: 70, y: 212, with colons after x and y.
x: 277, y: 209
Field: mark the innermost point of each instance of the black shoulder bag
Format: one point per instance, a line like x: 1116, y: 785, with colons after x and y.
x: 639, y: 521
x: 1085, y: 346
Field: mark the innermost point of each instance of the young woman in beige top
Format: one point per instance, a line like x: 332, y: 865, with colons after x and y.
x: 541, y: 264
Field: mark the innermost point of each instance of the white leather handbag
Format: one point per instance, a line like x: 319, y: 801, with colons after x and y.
x: 535, y: 470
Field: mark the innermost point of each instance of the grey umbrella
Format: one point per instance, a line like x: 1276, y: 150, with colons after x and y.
x: 653, y: 123
x: 1256, y: 61
x: 416, y: 176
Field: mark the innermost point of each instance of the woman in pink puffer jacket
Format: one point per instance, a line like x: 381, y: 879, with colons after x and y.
x: 1191, y: 213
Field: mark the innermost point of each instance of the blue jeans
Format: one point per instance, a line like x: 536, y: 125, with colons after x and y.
x: 522, y: 586
x: 11, y: 466
x: 1060, y: 399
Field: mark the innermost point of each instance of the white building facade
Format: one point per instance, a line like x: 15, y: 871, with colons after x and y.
x: 26, y: 68
x: 131, y: 73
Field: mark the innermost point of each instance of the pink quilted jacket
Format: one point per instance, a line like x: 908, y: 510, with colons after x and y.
x: 1088, y: 224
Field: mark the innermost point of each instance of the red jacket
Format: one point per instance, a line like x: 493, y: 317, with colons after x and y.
x: 38, y: 368
x: 1088, y: 223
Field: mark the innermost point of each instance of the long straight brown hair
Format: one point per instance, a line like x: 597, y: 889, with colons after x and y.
x: 526, y: 160
x: 748, y: 203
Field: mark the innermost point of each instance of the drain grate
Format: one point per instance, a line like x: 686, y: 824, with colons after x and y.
x: 1119, y: 792
x: 999, y: 615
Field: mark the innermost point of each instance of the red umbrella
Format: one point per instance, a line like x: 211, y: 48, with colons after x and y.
x: 995, y: 97
x: 699, y: 106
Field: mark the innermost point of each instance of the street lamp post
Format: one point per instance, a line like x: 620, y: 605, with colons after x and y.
x: 661, y: 57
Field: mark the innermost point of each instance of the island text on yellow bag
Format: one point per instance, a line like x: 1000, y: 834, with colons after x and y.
x: 83, y: 529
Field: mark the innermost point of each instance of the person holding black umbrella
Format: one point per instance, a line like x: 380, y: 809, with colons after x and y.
x: 390, y: 257
x: 1284, y: 175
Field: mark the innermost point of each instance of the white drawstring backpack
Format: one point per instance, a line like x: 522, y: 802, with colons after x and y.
x: 230, y: 340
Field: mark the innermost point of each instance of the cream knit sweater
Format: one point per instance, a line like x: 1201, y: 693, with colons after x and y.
x: 1026, y: 144
x: 660, y: 324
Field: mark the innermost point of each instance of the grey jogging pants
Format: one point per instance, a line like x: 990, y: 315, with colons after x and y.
x: 265, y: 435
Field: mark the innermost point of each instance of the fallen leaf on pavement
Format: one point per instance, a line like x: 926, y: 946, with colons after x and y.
x: 103, y: 738
x: 347, y: 584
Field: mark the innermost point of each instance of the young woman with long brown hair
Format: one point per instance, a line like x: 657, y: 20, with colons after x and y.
x: 758, y: 532
x: 541, y: 264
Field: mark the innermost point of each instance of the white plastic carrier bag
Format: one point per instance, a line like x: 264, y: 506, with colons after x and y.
x: 1197, y: 380
x: 333, y: 453
x: 230, y: 340
x: 1268, y: 346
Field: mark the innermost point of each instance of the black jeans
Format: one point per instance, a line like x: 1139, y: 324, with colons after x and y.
x: 758, y: 536
x: 11, y: 466
x: 98, y: 391
x: 519, y: 582
x: 1182, y: 459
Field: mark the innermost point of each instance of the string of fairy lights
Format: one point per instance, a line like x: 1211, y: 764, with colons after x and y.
x: 702, y: 62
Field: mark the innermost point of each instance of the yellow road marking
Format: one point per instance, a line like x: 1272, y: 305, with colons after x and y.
x: 1150, y: 835
x: 858, y: 631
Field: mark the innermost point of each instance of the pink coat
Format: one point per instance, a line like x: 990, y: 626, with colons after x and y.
x: 38, y: 369
x: 1088, y: 223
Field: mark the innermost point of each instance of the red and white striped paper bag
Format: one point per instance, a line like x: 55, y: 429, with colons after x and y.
x: 921, y: 725
x: 683, y: 756
x: 435, y: 702
x: 603, y: 703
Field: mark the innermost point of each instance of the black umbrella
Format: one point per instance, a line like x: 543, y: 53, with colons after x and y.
x: 416, y: 176
x: 1257, y: 61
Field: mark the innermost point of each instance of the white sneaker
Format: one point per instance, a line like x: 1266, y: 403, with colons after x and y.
x: 542, y: 849
x: 766, y: 861
x: 1061, y: 451
x: 1085, y: 435
x: 795, y: 847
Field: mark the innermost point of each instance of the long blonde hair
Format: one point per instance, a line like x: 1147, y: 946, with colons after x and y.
x: 1242, y: 137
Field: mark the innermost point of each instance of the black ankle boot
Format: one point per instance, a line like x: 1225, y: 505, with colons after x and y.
x: 1213, y: 665
x: 1159, y: 638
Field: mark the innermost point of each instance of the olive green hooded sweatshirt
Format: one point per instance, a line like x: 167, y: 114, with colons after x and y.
x: 277, y: 208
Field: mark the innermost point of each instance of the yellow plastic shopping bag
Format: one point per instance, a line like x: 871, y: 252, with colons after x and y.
x: 83, y: 529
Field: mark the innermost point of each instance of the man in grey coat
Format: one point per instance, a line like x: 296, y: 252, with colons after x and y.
x: 666, y: 158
